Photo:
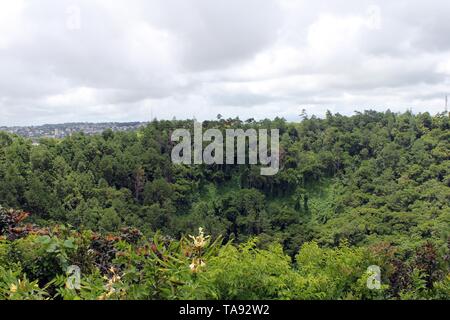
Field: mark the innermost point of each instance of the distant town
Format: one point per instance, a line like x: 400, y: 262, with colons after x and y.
x: 67, y: 129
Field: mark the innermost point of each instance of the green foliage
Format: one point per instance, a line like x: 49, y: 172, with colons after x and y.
x: 195, y: 267
x: 373, y: 188
x: 15, y: 286
x: 42, y: 257
x: 245, y: 273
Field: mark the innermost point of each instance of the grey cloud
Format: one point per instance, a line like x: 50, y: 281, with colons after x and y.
x: 215, y: 35
x: 237, y: 57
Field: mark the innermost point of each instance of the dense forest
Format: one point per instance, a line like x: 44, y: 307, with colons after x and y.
x: 352, y: 192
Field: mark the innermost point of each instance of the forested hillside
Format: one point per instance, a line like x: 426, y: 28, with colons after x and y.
x: 370, y: 189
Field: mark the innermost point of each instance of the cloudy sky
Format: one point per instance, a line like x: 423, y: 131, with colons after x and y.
x: 102, y: 60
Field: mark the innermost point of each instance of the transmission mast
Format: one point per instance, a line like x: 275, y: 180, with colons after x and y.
x: 446, y: 103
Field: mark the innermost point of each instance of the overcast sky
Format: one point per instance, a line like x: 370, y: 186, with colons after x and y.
x: 103, y: 60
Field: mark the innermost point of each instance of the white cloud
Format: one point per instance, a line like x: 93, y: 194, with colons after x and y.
x: 10, y: 15
x: 73, y: 98
x: 96, y: 60
x: 331, y: 35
